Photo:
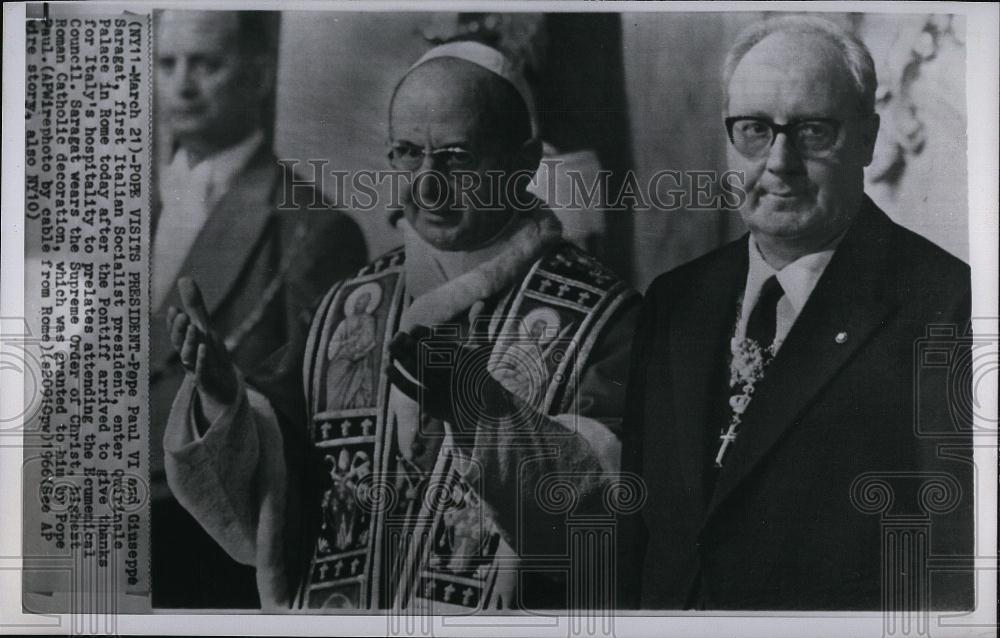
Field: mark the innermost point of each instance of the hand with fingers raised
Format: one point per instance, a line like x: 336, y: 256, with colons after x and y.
x: 202, y: 352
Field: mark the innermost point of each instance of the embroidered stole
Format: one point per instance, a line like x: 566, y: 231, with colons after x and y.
x: 390, y: 534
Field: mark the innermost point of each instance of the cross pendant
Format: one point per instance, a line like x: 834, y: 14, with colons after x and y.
x: 727, y: 439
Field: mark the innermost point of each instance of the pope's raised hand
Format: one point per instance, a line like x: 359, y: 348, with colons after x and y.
x: 202, y: 352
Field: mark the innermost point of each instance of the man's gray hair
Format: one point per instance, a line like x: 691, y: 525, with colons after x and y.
x: 854, y: 54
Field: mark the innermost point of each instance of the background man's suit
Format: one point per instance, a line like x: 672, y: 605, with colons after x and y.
x: 262, y: 271
x: 777, y: 528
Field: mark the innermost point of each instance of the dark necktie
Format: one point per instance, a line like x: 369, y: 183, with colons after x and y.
x: 763, y: 321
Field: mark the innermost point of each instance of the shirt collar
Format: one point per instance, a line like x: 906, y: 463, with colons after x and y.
x: 222, y: 167
x: 797, y: 279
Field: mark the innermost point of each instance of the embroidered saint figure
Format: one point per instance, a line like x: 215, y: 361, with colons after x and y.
x: 352, y: 350
x: 520, y: 368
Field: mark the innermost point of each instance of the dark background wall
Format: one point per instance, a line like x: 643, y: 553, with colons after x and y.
x: 639, y: 91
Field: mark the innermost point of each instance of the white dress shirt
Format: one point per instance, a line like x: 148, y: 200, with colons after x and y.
x: 797, y: 279
x: 189, y: 195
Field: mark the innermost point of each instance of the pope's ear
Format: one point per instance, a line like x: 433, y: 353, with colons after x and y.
x: 528, y: 155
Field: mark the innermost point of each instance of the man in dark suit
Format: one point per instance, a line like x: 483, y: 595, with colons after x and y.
x: 787, y: 434
x: 263, y: 249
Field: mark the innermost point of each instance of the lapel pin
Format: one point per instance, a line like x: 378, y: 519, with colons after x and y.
x: 841, y: 337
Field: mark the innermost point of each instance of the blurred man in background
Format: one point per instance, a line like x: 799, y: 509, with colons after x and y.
x: 227, y: 214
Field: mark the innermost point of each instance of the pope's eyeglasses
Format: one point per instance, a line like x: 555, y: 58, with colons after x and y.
x: 410, y: 157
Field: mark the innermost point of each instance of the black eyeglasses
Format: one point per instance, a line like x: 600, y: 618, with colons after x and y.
x: 409, y: 157
x: 754, y: 136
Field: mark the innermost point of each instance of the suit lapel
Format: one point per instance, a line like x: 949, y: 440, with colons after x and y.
x: 227, y: 241
x: 849, y: 300
x: 701, y: 329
